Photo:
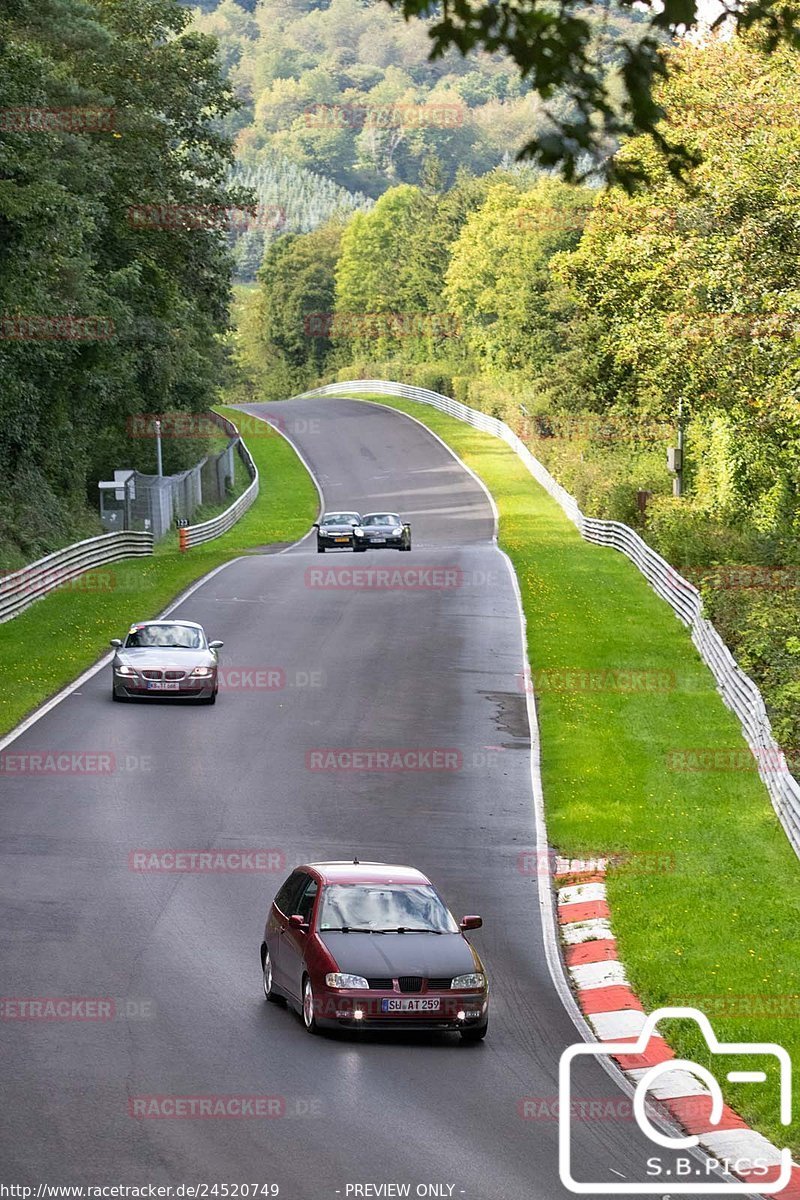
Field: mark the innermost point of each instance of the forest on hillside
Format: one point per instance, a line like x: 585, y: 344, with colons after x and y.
x: 583, y: 317
x: 346, y: 88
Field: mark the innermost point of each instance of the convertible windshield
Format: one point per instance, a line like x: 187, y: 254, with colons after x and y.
x: 340, y: 519
x: 382, y: 519
x: 384, y: 908
x: 182, y: 637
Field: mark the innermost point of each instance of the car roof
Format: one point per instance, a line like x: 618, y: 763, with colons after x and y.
x: 365, y: 872
x: 382, y: 512
x: 338, y: 512
x: 190, y: 624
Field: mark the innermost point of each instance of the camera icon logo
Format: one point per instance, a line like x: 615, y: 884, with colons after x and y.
x: 701, y: 1183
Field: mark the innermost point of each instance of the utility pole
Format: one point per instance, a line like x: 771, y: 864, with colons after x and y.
x: 675, y: 455
x: 678, y: 483
x: 159, y: 466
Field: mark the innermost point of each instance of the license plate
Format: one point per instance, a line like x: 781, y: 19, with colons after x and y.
x: 341, y: 539
x: 411, y: 1005
x: 163, y: 687
x: 379, y: 541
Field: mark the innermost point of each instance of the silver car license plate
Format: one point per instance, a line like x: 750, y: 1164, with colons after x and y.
x: 163, y: 687
x: 417, y: 1004
x: 379, y: 541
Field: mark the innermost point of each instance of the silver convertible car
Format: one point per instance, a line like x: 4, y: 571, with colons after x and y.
x: 165, y: 658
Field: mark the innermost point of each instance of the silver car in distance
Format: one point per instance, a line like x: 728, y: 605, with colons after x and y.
x: 165, y: 658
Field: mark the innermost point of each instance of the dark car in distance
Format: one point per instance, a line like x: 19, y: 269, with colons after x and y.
x: 336, y: 531
x: 383, y: 531
x: 372, y: 946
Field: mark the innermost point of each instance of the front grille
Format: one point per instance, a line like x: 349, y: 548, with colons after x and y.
x: 410, y: 983
x: 439, y: 985
x: 152, y: 674
x: 174, y: 674
x: 383, y: 985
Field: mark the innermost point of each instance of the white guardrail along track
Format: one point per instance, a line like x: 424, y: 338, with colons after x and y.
x: 20, y: 588
x: 195, y: 535
x: 737, y: 689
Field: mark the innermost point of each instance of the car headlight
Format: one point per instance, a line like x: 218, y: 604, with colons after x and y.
x: 124, y: 670
x: 358, y: 532
x: 337, y: 980
x: 202, y: 672
x: 475, y: 980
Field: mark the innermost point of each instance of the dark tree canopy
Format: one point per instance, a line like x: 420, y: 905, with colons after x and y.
x: 552, y: 44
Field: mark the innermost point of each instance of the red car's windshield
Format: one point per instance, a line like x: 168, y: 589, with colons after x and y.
x: 384, y: 908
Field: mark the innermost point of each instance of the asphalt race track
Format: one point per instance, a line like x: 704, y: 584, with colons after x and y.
x: 418, y: 667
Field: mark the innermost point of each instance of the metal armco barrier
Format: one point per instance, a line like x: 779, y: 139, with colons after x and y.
x: 20, y: 588
x: 736, y: 688
x: 195, y: 535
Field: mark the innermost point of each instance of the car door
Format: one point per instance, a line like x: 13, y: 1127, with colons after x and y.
x: 278, y: 923
x: 294, y: 941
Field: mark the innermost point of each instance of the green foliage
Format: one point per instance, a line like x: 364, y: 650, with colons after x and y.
x: 349, y: 90
x: 557, y: 54
x: 68, y: 248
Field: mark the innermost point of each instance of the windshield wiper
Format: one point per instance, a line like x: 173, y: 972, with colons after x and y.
x: 408, y: 929
x: 347, y: 929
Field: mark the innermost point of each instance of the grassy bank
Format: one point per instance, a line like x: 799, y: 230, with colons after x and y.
x: 56, y: 638
x: 707, y: 910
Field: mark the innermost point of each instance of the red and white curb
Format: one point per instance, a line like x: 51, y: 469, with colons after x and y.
x: 615, y: 1013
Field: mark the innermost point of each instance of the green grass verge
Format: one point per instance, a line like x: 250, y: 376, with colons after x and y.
x: 708, y: 914
x: 59, y: 636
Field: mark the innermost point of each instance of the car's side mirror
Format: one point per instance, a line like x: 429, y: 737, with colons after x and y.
x: 298, y: 922
x: 315, y: 525
x: 115, y: 642
x: 471, y: 923
x: 215, y: 645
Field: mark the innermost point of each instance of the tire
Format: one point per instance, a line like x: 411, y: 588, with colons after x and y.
x: 117, y: 699
x: 269, y: 991
x: 212, y: 699
x: 358, y: 549
x: 476, y: 1034
x: 320, y: 549
x: 309, y: 1020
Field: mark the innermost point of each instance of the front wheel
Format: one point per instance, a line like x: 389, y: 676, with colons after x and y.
x: 320, y: 549
x: 309, y: 1020
x: 269, y: 989
x: 212, y: 699
x: 476, y: 1034
x: 117, y: 698
x: 358, y: 549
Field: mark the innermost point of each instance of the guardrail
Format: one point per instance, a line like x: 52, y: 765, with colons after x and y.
x: 205, y: 531
x: 737, y: 689
x: 21, y: 588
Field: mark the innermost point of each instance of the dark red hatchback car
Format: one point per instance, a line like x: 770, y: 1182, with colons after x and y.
x: 372, y: 946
